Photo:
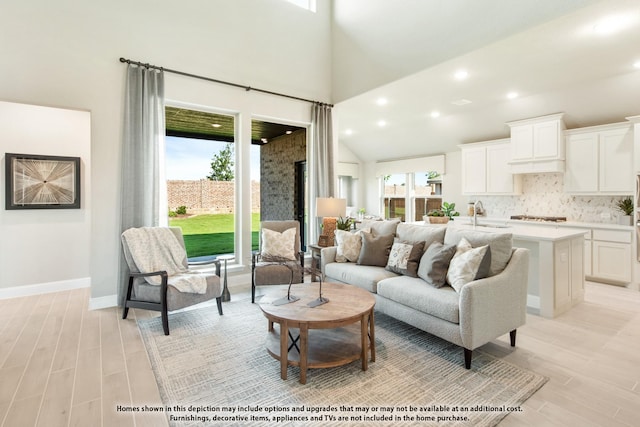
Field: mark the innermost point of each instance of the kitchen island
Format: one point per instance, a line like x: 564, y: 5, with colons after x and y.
x: 556, y: 264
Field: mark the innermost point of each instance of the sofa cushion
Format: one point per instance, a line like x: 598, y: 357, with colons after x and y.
x: 375, y: 249
x: 349, y: 245
x: 500, y: 244
x: 435, y: 263
x: 362, y: 276
x: 420, y: 233
x: 468, y: 264
x: 379, y: 228
x: 415, y: 293
x: 404, y: 257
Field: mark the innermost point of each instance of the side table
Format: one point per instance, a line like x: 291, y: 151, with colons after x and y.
x: 226, y: 295
x: 316, y: 258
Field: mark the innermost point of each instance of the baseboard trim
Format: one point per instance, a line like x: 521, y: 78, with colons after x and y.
x: 44, y: 288
x: 103, y: 302
x: 533, y: 301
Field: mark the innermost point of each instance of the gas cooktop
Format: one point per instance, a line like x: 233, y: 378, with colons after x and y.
x: 540, y: 218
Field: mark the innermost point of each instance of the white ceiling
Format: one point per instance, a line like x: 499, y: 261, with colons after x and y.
x: 562, y: 65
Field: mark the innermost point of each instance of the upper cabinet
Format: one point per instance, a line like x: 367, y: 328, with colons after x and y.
x: 485, y: 169
x: 600, y: 160
x: 537, y: 145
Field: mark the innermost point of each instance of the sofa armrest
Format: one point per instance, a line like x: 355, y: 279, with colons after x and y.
x: 327, y: 255
x: 496, y: 305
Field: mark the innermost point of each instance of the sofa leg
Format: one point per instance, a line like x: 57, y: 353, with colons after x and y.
x: 467, y: 358
x: 512, y: 335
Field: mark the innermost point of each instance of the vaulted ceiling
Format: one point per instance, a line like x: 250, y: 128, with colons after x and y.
x: 558, y: 55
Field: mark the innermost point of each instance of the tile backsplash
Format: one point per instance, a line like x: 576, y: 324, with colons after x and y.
x: 543, y: 195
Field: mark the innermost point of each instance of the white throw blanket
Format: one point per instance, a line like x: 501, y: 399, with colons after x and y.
x: 156, y: 249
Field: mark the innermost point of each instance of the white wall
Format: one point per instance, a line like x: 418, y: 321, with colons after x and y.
x: 65, y: 54
x: 45, y: 245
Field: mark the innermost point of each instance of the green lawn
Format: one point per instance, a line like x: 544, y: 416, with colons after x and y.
x: 212, y: 234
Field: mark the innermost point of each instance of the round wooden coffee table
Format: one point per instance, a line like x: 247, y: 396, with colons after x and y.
x: 327, y: 335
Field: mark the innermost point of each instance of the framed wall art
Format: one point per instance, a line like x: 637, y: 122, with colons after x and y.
x: 42, y: 182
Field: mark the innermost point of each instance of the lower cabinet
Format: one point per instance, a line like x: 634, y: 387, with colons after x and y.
x: 612, y: 259
x: 569, y: 274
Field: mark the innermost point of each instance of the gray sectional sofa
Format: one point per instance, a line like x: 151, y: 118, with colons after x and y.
x: 478, y: 312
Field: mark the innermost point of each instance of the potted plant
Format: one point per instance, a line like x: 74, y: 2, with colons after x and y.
x: 626, y: 207
x: 343, y: 223
x: 436, y: 216
x: 449, y: 210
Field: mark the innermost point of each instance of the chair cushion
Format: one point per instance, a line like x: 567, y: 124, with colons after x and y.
x: 276, y: 245
x: 270, y: 273
x: 362, y: 276
x: 143, y: 291
x: 415, y: 293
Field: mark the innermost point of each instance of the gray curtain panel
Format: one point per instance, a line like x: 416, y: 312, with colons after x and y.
x: 323, y: 174
x: 142, y: 145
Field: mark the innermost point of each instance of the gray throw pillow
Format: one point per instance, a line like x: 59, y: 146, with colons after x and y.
x: 404, y: 258
x: 435, y: 263
x: 375, y: 250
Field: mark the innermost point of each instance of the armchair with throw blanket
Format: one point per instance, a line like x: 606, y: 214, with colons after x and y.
x: 160, y: 278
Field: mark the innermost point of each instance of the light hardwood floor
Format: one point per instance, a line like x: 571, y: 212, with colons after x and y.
x: 62, y: 365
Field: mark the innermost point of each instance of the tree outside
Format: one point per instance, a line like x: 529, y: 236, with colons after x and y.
x: 222, y: 165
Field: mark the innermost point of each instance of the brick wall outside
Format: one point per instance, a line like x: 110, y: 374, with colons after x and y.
x: 205, y: 196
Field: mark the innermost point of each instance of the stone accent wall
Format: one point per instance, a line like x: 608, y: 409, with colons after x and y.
x: 205, y: 196
x: 278, y: 175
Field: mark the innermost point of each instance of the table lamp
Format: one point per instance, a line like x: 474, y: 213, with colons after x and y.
x: 329, y: 209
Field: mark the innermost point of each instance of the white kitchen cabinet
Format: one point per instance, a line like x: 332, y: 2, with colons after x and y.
x: 600, y: 160
x: 612, y: 255
x: 537, y: 145
x: 485, y: 169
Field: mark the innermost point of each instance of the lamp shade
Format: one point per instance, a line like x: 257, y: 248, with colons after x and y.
x: 331, y: 207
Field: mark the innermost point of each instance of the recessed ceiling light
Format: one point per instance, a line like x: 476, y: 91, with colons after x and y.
x: 461, y: 102
x: 461, y: 74
x: 216, y: 125
x: 636, y: 64
x: 382, y: 123
x: 435, y: 114
x: 512, y: 95
x: 381, y: 101
x: 348, y: 132
x: 289, y: 132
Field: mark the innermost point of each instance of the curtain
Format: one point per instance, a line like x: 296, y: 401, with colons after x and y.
x: 143, y: 187
x: 323, y: 172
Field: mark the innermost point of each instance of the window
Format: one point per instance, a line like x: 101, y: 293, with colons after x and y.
x: 427, y: 194
x: 393, y: 196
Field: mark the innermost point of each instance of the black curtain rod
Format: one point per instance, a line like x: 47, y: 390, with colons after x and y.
x: 247, y: 88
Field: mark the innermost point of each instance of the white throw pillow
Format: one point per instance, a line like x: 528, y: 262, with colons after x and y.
x: 468, y: 264
x: 279, y: 245
x: 349, y: 245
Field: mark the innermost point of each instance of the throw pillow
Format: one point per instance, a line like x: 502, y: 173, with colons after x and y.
x: 348, y: 245
x: 404, y: 258
x: 468, y: 264
x: 278, y: 246
x: 500, y: 244
x: 375, y: 250
x: 434, y: 264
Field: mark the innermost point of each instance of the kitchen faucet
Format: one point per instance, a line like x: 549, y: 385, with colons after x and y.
x: 475, y: 212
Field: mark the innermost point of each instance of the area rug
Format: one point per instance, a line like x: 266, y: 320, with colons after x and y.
x: 214, y: 370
